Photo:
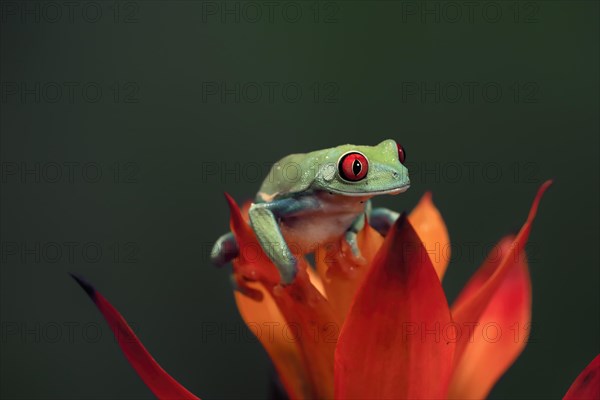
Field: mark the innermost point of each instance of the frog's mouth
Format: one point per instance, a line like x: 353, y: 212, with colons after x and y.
x: 392, y: 191
x: 399, y: 190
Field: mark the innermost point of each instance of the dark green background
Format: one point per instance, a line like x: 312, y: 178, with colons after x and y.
x: 165, y: 206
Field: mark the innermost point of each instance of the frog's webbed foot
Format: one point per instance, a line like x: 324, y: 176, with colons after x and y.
x: 381, y: 219
x: 351, y: 236
x: 224, y: 250
x: 353, y: 243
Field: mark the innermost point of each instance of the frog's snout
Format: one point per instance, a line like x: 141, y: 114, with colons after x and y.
x: 400, y: 176
x: 401, y: 180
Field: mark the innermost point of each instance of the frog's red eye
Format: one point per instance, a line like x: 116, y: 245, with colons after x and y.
x: 401, y: 153
x: 353, y: 167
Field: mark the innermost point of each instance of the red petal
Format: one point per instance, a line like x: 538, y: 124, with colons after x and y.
x: 485, y: 271
x: 500, y: 335
x: 394, y: 341
x: 470, y: 309
x: 587, y: 384
x: 499, y: 293
x: 158, y: 381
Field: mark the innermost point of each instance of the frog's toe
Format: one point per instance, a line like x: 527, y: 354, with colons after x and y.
x: 224, y: 250
x: 353, y: 243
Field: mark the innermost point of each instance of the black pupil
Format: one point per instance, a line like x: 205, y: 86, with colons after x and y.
x: 356, y: 167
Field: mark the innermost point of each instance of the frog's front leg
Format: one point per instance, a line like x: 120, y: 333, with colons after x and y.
x: 382, y: 219
x: 264, y: 219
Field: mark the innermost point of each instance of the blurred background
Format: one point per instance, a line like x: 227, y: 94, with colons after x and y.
x: 122, y: 124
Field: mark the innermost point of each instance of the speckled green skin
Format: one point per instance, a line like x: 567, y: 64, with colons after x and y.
x: 304, y: 203
x: 317, y: 170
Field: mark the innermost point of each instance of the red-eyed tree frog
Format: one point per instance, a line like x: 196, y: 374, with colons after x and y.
x: 315, y: 198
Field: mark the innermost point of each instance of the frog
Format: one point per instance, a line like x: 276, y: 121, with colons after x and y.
x: 320, y: 197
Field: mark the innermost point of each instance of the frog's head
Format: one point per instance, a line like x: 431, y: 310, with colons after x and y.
x: 365, y: 170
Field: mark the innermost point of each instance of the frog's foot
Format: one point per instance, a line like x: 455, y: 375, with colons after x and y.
x: 353, y: 243
x: 351, y: 236
x: 224, y: 250
x: 351, y: 239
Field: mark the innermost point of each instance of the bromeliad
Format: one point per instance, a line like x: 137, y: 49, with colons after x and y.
x: 371, y: 317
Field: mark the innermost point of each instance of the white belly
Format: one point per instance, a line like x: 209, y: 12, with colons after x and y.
x: 308, y: 230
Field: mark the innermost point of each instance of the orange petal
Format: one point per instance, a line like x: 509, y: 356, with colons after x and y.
x: 497, y: 302
x: 158, y: 381
x: 587, y: 384
x: 264, y: 319
x: 341, y: 274
x: 429, y: 225
x: 310, y: 321
x: 393, y: 344
x: 316, y: 281
x: 310, y: 316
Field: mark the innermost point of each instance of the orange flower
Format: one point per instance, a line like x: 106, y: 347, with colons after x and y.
x: 398, y: 337
x: 379, y: 327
